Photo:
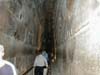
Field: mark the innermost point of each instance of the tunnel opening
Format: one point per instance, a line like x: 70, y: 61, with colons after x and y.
x: 48, y: 33
x: 48, y: 38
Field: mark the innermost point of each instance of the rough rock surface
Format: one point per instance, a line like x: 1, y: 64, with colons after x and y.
x: 67, y: 29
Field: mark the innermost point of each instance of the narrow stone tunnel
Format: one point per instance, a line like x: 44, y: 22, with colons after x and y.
x: 67, y: 29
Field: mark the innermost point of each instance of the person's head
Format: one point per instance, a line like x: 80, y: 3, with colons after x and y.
x: 43, y: 52
x: 38, y: 51
x: 1, y: 51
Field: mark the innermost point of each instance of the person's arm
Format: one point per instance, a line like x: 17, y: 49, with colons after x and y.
x: 14, y: 70
x: 46, y: 63
x: 45, y: 69
x: 35, y: 63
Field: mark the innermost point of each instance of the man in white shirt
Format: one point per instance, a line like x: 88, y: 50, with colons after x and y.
x: 40, y: 64
x: 6, y: 68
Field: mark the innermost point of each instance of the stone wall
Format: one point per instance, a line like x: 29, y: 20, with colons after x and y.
x: 77, y: 34
x: 19, y: 28
x: 67, y: 29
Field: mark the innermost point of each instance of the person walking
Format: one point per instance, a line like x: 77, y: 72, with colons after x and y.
x: 6, y: 67
x: 40, y: 63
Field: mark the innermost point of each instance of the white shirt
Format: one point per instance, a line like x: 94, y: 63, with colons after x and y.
x: 40, y: 60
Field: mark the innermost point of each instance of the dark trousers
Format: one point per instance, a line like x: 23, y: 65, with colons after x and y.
x: 39, y: 70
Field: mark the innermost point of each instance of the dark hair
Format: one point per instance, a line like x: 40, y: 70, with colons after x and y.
x: 38, y: 51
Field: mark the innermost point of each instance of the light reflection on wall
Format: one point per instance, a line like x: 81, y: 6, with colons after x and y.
x: 87, y: 49
x: 94, y: 31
